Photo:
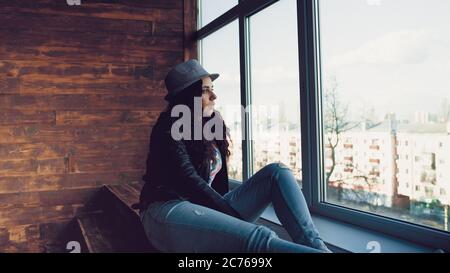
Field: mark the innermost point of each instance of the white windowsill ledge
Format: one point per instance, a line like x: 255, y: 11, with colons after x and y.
x: 354, y: 239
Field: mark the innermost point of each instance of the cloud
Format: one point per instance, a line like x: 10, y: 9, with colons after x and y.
x: 400, y: 47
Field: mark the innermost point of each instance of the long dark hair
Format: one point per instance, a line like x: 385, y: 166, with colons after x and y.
x: 201, y: 151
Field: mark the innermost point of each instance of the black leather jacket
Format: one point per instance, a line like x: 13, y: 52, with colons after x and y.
x: 171, y: 175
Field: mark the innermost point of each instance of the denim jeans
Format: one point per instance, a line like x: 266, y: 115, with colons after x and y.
x: 181, y: 226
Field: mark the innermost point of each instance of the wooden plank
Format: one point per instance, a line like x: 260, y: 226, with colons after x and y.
x: 118, y: 163
x: 132, y: 190
x: 101, y: 118
x: 55, y: 22
x: 34, y: 237
x: 137, y: 185
x: 10, y: 85
x: 25, y: 247
x: 47, y: 198
x: 125, y: 194
x: 97, y: 234
x: 109, y: 150
x: 33, y: 166
x: 57, y: 235
x: 35, y: 22
x: 117, y: 205
x: 33, y: 150
x: 81, y: 102
x: 20, y: 215
x: 66, y: 86
x: 93, y: 41
x: 164, y: 4
x: 65, y: 149
x: 21, y: 167
x: 23, y: 233
x: 91, y: 9
x: 16, y: 234
x: 44, y: 133
x: 4, y: 236
x: 86, y: 55
x: 62, y: 72
x: 51, y: 231
x: 17, y: 117
x: 31, y: 183
x: 167, y: 29
x: 59, y: 78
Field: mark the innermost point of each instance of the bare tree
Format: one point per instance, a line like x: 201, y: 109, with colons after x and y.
x: 336, y: 123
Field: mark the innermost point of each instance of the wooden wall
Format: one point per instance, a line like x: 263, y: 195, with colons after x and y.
x: 80, y: 88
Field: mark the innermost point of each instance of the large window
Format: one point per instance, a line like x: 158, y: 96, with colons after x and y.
x: 371, y: 77
x: 219, y: 53
x: 275, y: 94
x: 385, y: 107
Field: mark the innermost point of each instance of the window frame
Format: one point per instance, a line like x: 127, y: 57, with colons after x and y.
x: 312, y: 139
x: 308, y: 26
x: 242, y: 11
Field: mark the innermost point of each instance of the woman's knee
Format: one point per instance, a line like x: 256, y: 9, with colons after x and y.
x: 259, y: 239
x: 275, y: 168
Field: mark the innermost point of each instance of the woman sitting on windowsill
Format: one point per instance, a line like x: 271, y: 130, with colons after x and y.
x: 186, y: 206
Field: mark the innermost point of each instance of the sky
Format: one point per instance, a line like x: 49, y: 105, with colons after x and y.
x: 389, y: 55
x: 393, y: 55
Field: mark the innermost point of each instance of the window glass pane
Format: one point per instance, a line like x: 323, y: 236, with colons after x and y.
x: 275, y: 87
x: 211, y: 9
x: 386, y: 105
x: 220, y: 54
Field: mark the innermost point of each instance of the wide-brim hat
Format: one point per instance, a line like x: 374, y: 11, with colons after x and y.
x: 183, y: 75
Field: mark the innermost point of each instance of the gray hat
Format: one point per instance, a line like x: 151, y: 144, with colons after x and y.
x: 184, y: 75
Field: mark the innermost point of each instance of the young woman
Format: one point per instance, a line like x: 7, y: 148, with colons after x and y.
x: 186, y: 206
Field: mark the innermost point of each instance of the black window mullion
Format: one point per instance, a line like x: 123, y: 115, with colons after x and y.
x: 248, y: 8
x: 314, y: 77
x: 305, y: 94
x: 218, y: 23
x: 245, y: 97
x: 309, y: 59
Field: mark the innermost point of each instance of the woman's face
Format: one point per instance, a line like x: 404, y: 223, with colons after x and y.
x: 208, y: 96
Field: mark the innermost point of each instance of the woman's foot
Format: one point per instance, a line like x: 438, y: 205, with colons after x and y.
x: 320, y: 245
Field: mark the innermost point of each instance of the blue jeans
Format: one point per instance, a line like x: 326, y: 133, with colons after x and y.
x: 181, y: 226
